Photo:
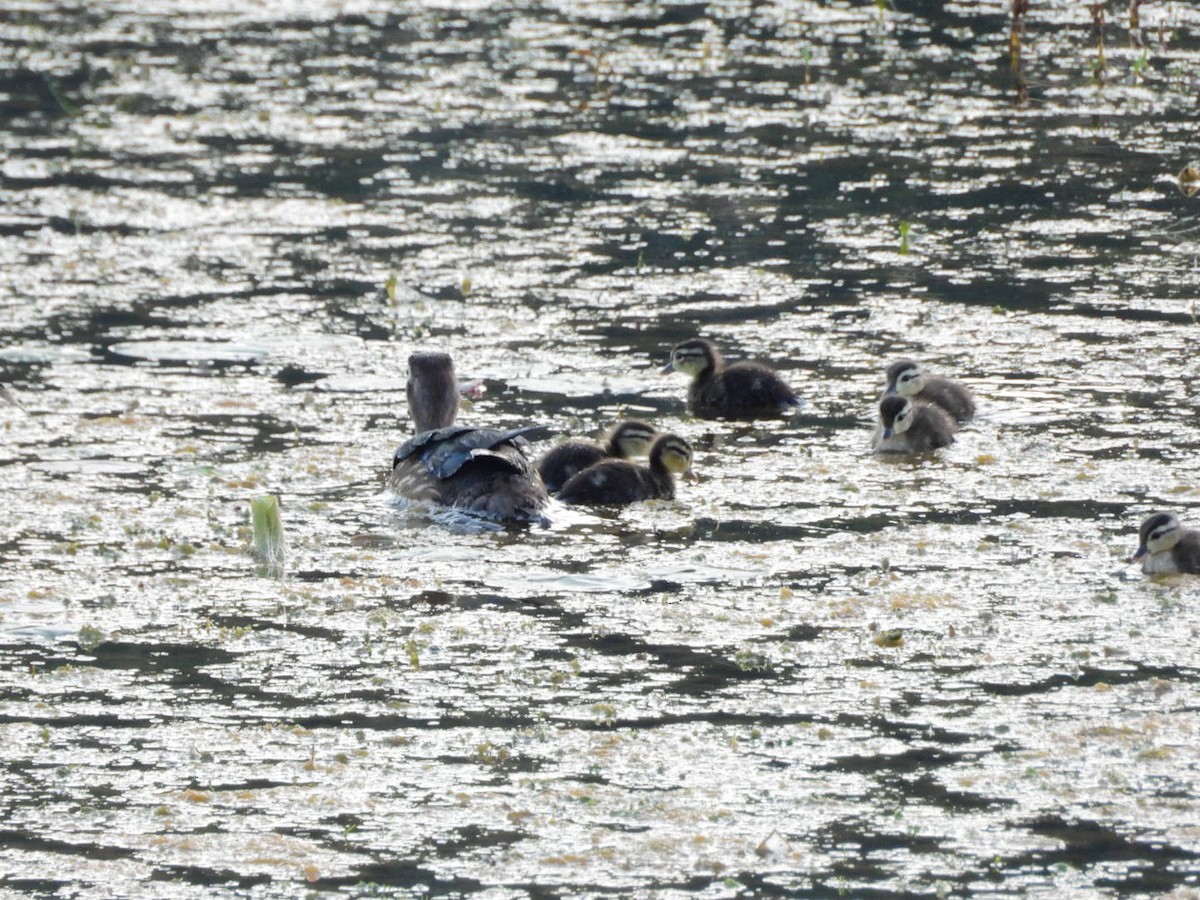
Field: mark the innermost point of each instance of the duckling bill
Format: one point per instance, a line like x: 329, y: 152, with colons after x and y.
x: 482, y: 471
x: 617, y: 482
x: 629, y: 438
x: 743, y: 390
x: 1165, y: 547
x: 911, y: 426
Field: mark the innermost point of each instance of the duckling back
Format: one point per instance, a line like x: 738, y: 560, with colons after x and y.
x: 744, y: 390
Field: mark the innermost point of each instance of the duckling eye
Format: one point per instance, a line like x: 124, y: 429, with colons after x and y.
x: 908, y: 376
x: 1161, y: 532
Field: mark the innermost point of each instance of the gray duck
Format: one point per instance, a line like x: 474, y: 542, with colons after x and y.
x: 629, y: 438
x: 617, y: 482
x: 906, y: 378
x: 911, y: 426
x: 482, y: 471
x: 1167, y: 548
x: 742, y: 390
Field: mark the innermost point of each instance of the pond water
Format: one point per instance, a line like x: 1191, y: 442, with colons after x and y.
x: 815, y: 673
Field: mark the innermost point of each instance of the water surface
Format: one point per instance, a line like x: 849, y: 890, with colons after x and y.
x: 816, y: 672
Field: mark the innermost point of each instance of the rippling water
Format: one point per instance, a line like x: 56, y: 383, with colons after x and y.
x: 817, y: 672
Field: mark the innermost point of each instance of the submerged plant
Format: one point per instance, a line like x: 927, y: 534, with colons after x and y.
x: 1016, y: 34
x: 269, y: 545
x: 1101, y: 63
x: 1140, y: 65
x: 904, y: 229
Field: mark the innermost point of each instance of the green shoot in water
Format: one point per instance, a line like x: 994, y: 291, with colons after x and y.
x: 904, y: 228
x: 1140, y: 65
x: 389, y: 288
x: 268, y: 530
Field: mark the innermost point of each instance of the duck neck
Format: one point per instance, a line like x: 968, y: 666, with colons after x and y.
x: 432, y: 405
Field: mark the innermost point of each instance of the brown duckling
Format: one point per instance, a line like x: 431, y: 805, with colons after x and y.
x: 616, y: 482
x: 1167, y: 548
x: 743, y: 390
x: 906, y: 378
x: 911, y: 426
x: 483, y: 471
x: 629, y: 438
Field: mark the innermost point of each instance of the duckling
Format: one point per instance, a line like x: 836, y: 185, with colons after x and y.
x: 911, y: 426
x: 1167, y: 548
x: 616, y: 482
x: 744, y: 390
x: 630, y: 438
x: 905, y: 377
x: 482, y: 471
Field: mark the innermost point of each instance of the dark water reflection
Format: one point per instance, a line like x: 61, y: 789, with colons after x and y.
x: 816, y: 673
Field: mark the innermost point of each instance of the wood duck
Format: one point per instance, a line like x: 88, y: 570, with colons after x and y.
x: 629, y: 438
x: 904, y: 377
x: 744, y: 390
x: 911, y: 426
x: 616, y: 482
x: 1167, y: 548
x: 483, y: 471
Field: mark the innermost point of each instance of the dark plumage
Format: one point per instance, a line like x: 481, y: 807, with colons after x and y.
x: 744, y: 390
x: 630, y: 438
x: 911, y: 426
x: 905, y: 377
x: 483, y: 471
x: 1167, y: 548
x: 616, y: 482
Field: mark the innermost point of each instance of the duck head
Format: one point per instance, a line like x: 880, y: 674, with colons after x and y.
x: 432, y: 391
x: 896, y: 414
x: 1158, y: 533
x: 904, y: 377
x: 693, y: 358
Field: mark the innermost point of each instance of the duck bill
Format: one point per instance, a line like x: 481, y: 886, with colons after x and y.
x: 666, y: 370
x: 1139, y: 553
x: 887, y: 433
x: 691, y: 477
x: 890, y: 389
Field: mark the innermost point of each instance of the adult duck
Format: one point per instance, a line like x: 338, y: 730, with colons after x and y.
x: 482, y: 471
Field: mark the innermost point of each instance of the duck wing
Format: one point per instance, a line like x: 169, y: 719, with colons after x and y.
x: 446, y: 450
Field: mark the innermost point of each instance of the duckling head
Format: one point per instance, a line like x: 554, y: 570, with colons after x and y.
x: 904, y: 377
x: 896, y: 414
x: 693, y: 358
x: 1158, y: 533
x: 674, y: 453
x: 633, y: 437
x: 432, y: 391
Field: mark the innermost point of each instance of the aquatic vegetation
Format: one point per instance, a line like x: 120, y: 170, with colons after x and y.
x: 269, y: 543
